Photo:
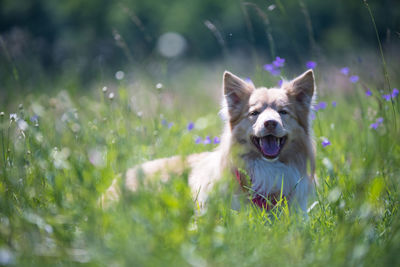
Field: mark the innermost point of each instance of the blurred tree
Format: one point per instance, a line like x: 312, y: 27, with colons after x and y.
x: 83, y: 36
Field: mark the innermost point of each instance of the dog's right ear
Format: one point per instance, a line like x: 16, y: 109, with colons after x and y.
x: 236, y: 93
x: 302, y: 88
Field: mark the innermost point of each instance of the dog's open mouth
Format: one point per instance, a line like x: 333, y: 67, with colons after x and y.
x: 270, y: 146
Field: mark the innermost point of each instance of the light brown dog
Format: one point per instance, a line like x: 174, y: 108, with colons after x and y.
x: 267, y: 139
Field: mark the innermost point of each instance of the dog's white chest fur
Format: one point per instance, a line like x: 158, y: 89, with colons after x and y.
x: 275, y: 177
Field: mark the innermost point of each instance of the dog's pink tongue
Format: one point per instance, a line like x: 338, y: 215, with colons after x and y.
x: 270, y: 146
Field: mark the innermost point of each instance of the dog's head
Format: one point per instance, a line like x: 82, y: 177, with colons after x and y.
x: 268, y: 123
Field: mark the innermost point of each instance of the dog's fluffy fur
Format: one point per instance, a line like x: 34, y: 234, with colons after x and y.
x: 267, y: 134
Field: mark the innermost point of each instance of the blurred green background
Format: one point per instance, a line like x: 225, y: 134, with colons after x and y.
x: 89, y: 40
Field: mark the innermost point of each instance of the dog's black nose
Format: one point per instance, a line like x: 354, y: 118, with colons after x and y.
x: 270, y: 124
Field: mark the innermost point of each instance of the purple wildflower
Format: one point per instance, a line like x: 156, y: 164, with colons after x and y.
x: 395, y: 92
x: 34, y: 118
x: 322, y: 105
x: 334, y: 104
x: 217, y: 140
x: 280, y: 82
x: 368, y: 92
x: 374, y: 125
x: 207, y: 140
x: 345, y: 71
x: 198, y: 140
x: 311, y: 64
x: 313, y: 117
x: 190, y: 126
x: 353, y: 79
x: 279, y: 62
x: 167, y: 124
x: 272, y: 69
x: 387, y: 97
x: 325, y: 142
x: 269, y: 67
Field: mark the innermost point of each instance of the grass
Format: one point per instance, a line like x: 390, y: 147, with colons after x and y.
x: 63, y: 150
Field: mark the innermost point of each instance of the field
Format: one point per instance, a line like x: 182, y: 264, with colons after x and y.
x: 61, y: 151
x: 61, y: 146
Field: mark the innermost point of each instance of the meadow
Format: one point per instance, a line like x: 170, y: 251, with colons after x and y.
x: 60, y: 152
x: 62, y: 145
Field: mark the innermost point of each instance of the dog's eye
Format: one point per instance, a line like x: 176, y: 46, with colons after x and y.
x: 282, y: 112
x: 254, y: 113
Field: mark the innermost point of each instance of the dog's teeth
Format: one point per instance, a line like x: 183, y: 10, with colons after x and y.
x: 277, y: 141
x: 260, y: 142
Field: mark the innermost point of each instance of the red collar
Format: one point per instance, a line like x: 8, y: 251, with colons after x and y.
x: 237, y: 174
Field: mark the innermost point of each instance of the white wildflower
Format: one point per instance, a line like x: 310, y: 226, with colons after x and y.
x: 22, y: 125
x: 119, y: 75
x: 97, y: 157
x: 6, y: 257
x: 13, y: 117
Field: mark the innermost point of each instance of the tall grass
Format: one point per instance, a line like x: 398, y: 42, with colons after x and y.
x: 58, y: 163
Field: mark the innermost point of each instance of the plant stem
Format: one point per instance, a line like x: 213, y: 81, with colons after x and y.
x: 385, y: 71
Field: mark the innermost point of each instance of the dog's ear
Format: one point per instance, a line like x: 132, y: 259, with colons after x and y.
x: 236, y: 93
x: 302, y: 88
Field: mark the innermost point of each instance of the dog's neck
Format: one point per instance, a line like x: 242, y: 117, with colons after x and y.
x: 259, y: 175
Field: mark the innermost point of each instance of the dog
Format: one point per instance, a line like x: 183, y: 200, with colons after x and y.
x: 267, y: 146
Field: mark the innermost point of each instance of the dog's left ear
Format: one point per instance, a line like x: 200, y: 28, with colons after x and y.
x: 302, y: 88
